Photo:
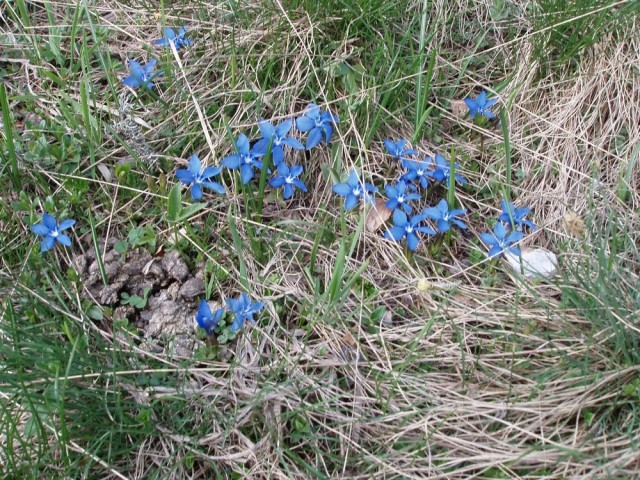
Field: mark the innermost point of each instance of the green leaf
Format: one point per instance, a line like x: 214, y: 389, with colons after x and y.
x: 95, y: 313
x: 190, y: 211
x: 174, y: 206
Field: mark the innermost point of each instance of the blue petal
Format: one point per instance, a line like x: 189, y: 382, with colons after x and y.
x: 342, y: 189
x: 350, y: 202
x: 315, y: 137
x: 460, y: 224
x: 185, y: 176
x: 210, y: 172
x: 328, y: 132
x: 63, y: 239
x: 277, y: 182
x: 391, y: 204
x: 196, y: 191
x: 494, y: 251
x: 66, y: 224
x: 489, y: 238
x: 148, y: 68
x: 395, y: 233
x: 481, y: 99
x: 412, y: 241
x: 277, y: 154
x: 390, y: 145
x: 204, y: 314
x: 131, y: 81
x: 243, y: 144
x: 443, y: 225
x: 300, y: 184
x: 40, y: 229
x: 432, y: 213
x: 215, y: 186
x: 194, y: 165
x: 47, y: 243
x: 162, y: 42
x: 266, y: 130
x: 296, y: 170
x: 246, y: 173
x: 232, y: 161
x: 353, y: 179
x: 237, y: 324
x: 500, y: 231
x: 169, y: 34
x: 136, y: 69
x: 304, y: 124
x: 288, y: 191
x: 425, y: 230
x: 399, y: 218
x: 49, y: 221
x: 284, y: 127
x: 293, y: 143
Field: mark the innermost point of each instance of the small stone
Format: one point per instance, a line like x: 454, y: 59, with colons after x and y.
x: 174, y: 266
x: 535, y: 262
x: 192, y: 288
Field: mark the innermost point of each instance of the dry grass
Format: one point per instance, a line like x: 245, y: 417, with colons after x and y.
x: 491, y: 380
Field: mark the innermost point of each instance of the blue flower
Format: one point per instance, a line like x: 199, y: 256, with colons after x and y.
x: 246, y: 159
x: 287, y: 178
x: 50, y: 230
x: 398, y: 197
x: 353, y: 190
x: 207, y: 320
x: 417, y: 171
x: 501, y: 239
x: 316, y: 122
x: 277, y: 136
x: 444, y: 216
x: 515, y: 216
x: 407, y: 227
x: 480, y: 105
x: 443, y: 172
x: 243, y: 310
x: 178, y: 39
x: 397, y: 150
x: 141, y: 76
x: 199, y: 178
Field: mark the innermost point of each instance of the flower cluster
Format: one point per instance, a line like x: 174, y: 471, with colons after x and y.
x: 242, y: 310
x: 508, y: 230
x: 418, y: 174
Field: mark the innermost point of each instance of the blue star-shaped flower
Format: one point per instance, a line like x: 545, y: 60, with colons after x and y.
x: 397, y: 150
x: 500, y: 240
x: 316, y: 122
x: 407, y: 227
x: 444, y: 216
x: 515, y: 216
x: 353, y: 190
x: 398, y: 197
x: 50, y: 230
x: 243, y: 310
x: 277, y: 136
x: 206, y: 319
x: 178, y: 39
x: 443, y: 172
x: 141, y: 76
x: 197, y: 177
x: 480, y: 105
x: 245, y: 160
x: 418, y: 171
x: 287, y: 178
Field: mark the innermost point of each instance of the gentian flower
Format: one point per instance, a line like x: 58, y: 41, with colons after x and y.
x: 480, y: 105
x: 50, y: 230
x: 443, y: 172
x: 353, y: 190
x: 198, y: 177
x: 417, y: 170
x: 178, y: 39
x: 397, y: 150
x: 407, y: 227
x: 277, y: 137
x: 444, y: 216
x: 515, y: 216
x: 141, y: 76
x: 287, y: 178
x: 501, y: 240
x: 243, y: 309
x: 316, y: 122
x: 245, y: 160
x: 207, y: 320
x: 398, y: 197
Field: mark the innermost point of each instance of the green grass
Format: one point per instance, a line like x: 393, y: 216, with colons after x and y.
x: 354, y: 368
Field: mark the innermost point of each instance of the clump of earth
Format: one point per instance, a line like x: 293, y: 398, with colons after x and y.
x: 166, y: 321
